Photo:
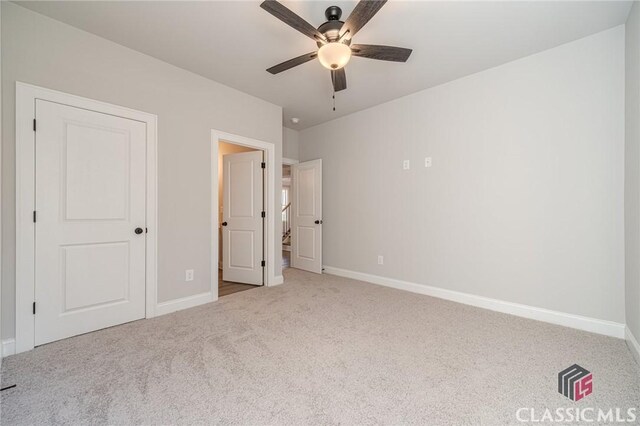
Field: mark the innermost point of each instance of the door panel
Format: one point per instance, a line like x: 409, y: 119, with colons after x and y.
x: 242, y: 197
x: 242, y: 236
x: 96, y: 172
x: 90, y: 196
x: 241, y: 248
x: 105, y: 266
x: 306, y: 241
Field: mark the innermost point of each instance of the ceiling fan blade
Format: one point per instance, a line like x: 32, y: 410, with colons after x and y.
x: 339, y: 80
x: 291, y: 19
x: 383, y: 53
x: 292, y: 63
x: 362, y: 13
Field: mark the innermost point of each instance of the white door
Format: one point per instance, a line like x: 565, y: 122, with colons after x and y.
x: 242, y: 221
x: 306, y: 226
x: 90, y: 198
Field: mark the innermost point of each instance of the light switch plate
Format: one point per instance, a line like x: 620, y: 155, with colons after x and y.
x: 405, y: 165
x: 427, y: 161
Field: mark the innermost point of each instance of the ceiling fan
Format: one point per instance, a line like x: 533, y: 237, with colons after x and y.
x: 334, y: 39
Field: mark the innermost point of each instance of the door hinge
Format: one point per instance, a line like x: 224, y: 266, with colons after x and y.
x: 263, y: 165
x: 34, y: 124
x: 34, y: 308
x: 34, y: 216
x: 264, y: 214
x: 263, y: 263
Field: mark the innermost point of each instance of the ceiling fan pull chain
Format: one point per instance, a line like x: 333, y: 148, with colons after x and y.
x: 334, y: 100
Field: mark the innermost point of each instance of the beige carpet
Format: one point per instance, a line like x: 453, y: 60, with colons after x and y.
x: 316, y: 350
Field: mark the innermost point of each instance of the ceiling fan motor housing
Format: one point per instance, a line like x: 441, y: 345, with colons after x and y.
x: 331, y: 28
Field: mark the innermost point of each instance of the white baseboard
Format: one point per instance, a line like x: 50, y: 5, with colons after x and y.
x: 633, y: 344
x: 593, y: 325
x: 277, y: 280
x: 8, y: 347
x: 184, y: 303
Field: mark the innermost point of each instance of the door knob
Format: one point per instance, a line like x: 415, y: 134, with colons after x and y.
x: 138, y: 231
x: 224, y: 223
x: 318, y: 222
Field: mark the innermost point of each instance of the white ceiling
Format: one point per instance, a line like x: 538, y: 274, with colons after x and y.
x: 233, y: 42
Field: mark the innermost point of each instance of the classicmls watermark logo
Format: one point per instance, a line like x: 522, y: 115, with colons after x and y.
x: 575, y: 382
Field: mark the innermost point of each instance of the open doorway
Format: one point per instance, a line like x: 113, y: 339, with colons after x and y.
x: 271, y: 195
x: 241, y: 215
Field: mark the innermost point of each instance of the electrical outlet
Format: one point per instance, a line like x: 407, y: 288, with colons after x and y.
x: 406, y: 165
x: 427, y: 161
x: 188, y: 275
x: 380, y: 260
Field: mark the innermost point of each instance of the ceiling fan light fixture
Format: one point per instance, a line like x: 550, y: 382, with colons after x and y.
x: 334, y: 55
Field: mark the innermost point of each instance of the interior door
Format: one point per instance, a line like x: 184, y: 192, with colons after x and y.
x: 90, y: 221
x: 306, y: 227
x: 242, y: 221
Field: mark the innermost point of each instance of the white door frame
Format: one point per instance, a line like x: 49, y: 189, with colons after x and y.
x: 26, y: 96
x: 269, y: 194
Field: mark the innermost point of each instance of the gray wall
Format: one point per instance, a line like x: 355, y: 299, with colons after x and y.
x: 632, y: 171
x: 290, y: 143
x: 524, y: 201
x: 44, y: 52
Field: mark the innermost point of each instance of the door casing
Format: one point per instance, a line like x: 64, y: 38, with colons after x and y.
x: 269, y: 199
x: 26, y: 95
